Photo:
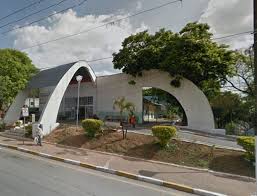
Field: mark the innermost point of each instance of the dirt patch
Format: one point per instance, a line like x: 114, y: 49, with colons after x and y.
x: 147, y: 147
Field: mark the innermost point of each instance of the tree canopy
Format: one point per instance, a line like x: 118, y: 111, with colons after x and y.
x: 16, y: 69
x: 231, y: 107
x: 191, y: 53
x: 243, y: 73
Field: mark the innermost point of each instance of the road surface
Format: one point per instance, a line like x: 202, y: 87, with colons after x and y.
x: 27, y: 175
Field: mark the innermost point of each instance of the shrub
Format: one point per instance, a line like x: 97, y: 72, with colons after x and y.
x: 18, y: 123
x: 2, y: 126
x: 92, y: 126
x: 164, y: 134
x: 230, y: 128
x: 28, y: 130
x: 248, y: 143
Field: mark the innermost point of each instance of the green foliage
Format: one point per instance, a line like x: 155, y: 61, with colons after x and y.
x: 123, y: 106
x: 244, y: 72
x: 248, y: 143
x: 15, y: 70
x: 2, y: 126
x: 191, y: 53
x: 228, y: 107
x: 164, y: 134
x: 230, y: 128
x: 18, y: 123
x: 92, y: 126
x: 132, y: 82
x: 28, y: 130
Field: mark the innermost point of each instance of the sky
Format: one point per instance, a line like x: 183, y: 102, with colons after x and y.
x: 224, y: 17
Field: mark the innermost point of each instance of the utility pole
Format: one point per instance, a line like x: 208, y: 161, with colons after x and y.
x: 255, y: 79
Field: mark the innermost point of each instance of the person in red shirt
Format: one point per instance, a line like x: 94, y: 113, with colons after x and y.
x: 133, y: 121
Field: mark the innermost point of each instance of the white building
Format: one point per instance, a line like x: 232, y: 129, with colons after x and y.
x: 58, y: 96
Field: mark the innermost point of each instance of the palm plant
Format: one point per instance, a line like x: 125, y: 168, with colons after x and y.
x: 123, y: 106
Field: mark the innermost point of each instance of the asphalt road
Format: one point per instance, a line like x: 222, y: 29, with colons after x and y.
x: 24, y: 175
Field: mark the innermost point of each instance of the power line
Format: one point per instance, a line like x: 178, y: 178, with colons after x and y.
x: 15, y: 21
x: 233, y: 35
x: 109, y: 57
x: 93, y: 60
x: 43, y: 18
x: 108, y: 23
x: 21, y: 9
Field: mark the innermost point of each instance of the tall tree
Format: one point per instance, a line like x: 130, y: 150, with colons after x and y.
x: 16, y: 69
x: 243, y: 79
x: 191, y: 53
x: 230, y: 107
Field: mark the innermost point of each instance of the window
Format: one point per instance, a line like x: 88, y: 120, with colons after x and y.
x: 86, y: 100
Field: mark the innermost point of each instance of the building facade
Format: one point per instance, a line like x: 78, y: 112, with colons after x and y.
x: 58, y: 96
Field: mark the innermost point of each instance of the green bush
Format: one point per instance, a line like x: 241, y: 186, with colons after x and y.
x: 92, y: 126
x: 230, y: 128
x: 248, y: 143
x: 18, y: 123
x: 2, y: 126
x: 164, y: 134
x: 28, y: 130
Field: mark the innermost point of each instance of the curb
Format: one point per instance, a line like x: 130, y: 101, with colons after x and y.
x: 216, y: 173
x: 150, y: 180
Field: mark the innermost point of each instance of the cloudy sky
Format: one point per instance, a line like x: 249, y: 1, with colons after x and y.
x: 224, y: 17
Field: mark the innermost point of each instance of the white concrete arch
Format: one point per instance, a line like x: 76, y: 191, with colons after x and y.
x: 49, y: 114
x: 192, y: 99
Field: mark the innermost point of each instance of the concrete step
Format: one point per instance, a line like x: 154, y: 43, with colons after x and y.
x: 14, y: 132
x: 13, y: 136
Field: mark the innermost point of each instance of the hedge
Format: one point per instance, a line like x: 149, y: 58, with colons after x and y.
x: 28, y: 130
x: 248, y: 144
x: 92, y: 126
x: 164, y: 133
x: 2, y: 126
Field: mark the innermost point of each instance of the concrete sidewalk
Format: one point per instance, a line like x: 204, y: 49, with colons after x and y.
x: 190, y: 177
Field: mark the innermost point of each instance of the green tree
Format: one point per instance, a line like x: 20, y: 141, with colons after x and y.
x: 15, y: 70
x: 243, y: 79
x: 122, y: 105
x: 242, y: 82
x: 191, y: 53
x: 230, y: 107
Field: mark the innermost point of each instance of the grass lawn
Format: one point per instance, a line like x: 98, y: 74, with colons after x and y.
x: 147, y: 147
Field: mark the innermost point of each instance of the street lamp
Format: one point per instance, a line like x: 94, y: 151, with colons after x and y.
x: 78, y: 78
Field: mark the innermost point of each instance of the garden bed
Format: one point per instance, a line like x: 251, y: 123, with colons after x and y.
x: 147, y: 147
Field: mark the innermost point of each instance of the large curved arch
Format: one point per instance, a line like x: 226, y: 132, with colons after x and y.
x: 192, y: 99
x: 49, y: 114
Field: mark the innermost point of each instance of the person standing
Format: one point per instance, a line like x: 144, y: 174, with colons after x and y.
x: 133, y: 121
x: 39, y: 135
